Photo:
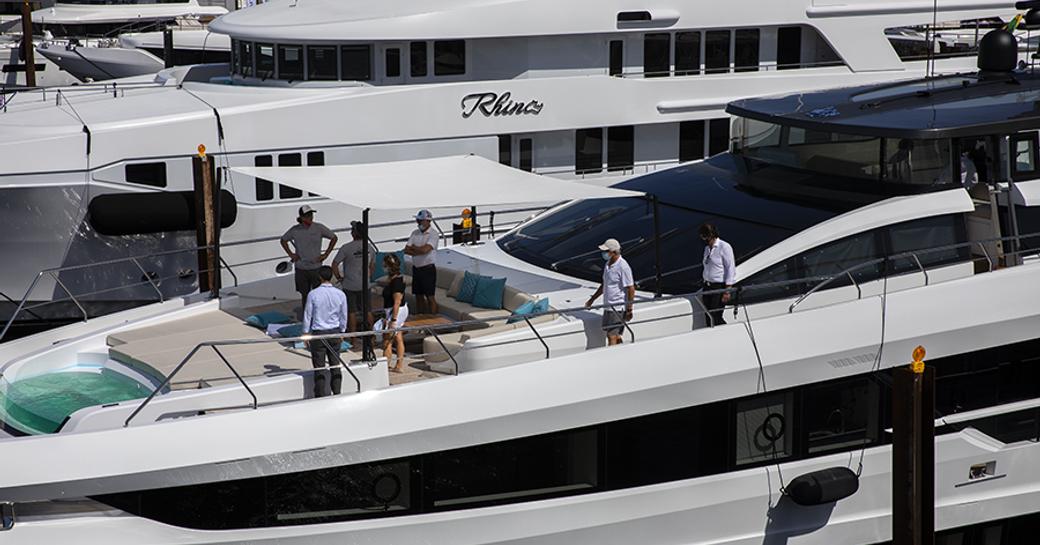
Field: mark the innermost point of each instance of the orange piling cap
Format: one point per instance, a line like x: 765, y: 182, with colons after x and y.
x: 918, y: 364
x: 202, y: 150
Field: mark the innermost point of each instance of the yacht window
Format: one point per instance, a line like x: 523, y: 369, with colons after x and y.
x: 417, y: 59
x: 837, y: 416
x: 321, y: 63
x: 919, y: 162
x: 153, y: 174
x: 355, y: 62
x: 620, y: 148
x: 289, y: 160
x: 763, y: 428
x: 746, y: 50
x: 264, y: 188
x: 837, y: 257
x: 393, y: 62
x: 847, y: 156
x: 782, y: 273
x: 718, y: 135
x: 236, y: 65
x: 265, y: 61
x: 526, y: 155
x: 1024, y: 156
x: 505, y: 149
x: 927, y: 234
x: 716, y: 51
x: 691, y: 140
x: 789, y: 47
x: 588, y: 151
x: 315, y: 159
x: 345, y: 492
x: 509, y: 471
x: 687, y: 53
x: 656, y: 51
x: 290, y: 62
x: 245, y: 56
x: 617, y: 58
x: 449, y: 58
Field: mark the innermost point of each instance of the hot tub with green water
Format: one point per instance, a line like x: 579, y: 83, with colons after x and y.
x: 41, y: 403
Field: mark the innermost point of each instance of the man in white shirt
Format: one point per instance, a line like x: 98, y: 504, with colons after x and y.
x: 618, y: 290
x: 422, y: 246
x: 350, y: 257
x: 324, y: 313
x: 720, y: 270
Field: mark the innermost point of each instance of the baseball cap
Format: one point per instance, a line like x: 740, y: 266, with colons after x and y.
x: 424, y: 214
x: 305, y: 209
x: 611, y: 245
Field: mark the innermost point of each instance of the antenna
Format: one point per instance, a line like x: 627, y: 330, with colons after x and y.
x: 930, y: 68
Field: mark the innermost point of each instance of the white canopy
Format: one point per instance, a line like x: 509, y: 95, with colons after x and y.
x: 431, y: 183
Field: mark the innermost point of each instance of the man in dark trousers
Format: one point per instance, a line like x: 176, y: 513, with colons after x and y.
x: 307, y: 255
x: 325, y: 313
x: 720, y: 271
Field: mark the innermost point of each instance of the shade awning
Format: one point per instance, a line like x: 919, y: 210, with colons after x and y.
x: 431, y: 183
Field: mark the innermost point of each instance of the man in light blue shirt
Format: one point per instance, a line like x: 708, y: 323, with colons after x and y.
x: 325, y: 313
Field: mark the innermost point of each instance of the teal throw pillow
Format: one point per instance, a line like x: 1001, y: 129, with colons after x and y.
x: 542, y: 306
x: 264, y: 319
x: 521, y: 311
x: 380, y: 272
x: 295, y: 330
x: 489, y: 293
x: 468, y: 287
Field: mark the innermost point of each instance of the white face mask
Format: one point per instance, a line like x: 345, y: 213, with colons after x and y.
x: 605, y: 255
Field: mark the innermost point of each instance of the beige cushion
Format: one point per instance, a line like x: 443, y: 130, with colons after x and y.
x: 446, y: 277
x: 453, y: 290
x: 478, y: 313
x: 513, y: 299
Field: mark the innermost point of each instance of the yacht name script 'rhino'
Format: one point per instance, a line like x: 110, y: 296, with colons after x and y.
x: 494, y: 104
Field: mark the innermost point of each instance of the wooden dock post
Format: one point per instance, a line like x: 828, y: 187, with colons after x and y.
x: 913, y: 453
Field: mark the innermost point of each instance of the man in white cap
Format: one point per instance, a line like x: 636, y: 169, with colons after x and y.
x: 618, y: 290
x: 422, y: 246
x: 306, y: 253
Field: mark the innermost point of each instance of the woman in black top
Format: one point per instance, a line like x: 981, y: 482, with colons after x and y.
x: 396, y: 311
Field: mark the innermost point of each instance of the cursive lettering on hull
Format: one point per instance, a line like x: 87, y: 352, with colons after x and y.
x: 497, y: 105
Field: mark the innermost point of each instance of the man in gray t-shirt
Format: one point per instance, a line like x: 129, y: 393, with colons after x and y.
x: 347, y: 267
x: 308, y: 256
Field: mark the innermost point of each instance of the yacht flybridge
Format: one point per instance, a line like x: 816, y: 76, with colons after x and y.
x: 599, y: 91
x: 866, y: 220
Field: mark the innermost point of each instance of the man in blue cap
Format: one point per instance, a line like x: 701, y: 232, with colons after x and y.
x: 422, y: 246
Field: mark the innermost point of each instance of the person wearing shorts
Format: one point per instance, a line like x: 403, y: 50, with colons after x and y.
x: 395, y: 313
x: 618, y: 290
x: 422, y: 246
x: 306, y: 253
x: 347, y: 268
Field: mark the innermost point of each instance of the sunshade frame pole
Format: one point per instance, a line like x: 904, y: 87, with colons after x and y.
x: 473, y: 225
x: 367, y: 353
x: 657, y: 245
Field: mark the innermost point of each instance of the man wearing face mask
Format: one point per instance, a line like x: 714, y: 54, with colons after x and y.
x: 618, y: 290
x: 422, y: 246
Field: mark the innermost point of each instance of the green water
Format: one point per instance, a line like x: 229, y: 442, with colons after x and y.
x: 42, y: 402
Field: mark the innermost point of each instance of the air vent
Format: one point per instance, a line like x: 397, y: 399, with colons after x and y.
x: 634, y: 16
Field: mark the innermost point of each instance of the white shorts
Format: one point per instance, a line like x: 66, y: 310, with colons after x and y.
x: 402, y: 317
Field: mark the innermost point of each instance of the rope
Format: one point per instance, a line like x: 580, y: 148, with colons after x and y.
x: 762, y: 381
x: 876, y: 368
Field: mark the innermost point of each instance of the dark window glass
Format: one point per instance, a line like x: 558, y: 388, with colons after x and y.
x: 355, y: 62
x: 316, y: 159
x: 1024, y: 159
x: 321, y: 63
x: 511, y: 471
x: 327, y: 495
x: 588, y: 150
x: 716, y: 51
x: 656, y: 49
x: 617, y: 57
x: 764, y: 428
x: 746, y: 50
x: 153, y: 174
x: 236, y: 64
x: 417, y: 59
x: 393, y: 62
x: 718, y: 136
x: 838, y: 256
x: 449, y: 58
x: 264, y: 188
x: 264, y: 61
x: 789, y: 47
x: 687, y: 53
x: 691, y: 140
x: 505, y: 149
x: 838, y: 416
x: 675, y: 436
x: 779, y: 273
x: 925, y: 234
x: 620, y: 148
x: 526, y: 155
x: 245, y: 55
x: 290, y: 62
x: 289, y: 160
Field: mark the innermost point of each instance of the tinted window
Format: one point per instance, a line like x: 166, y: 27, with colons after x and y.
x: 617, y: 57
x: 236, y: 64
x: 264, y: 188
x: 505, y: 149
x: 781, y: 273
x: 1024, y: 159
x: 245, y: 55
x: 153, y: 174
x: 746, y: 50
x: 927, y: 234
x: 837, y: 416
x: 290, y: 62
x: 588, y: 150
x: 321, y: 63
x: 687, y: 53
x: 836, y: 257
x: 449, y: 58
x: 716, y: 51
x: 265, y: 61
x: 289, y: 160
x: 691, y: 140
x: 763, y: 429
x: 526, y: 155
x: 393, y: 63
x: 656, y: 49
x: 620, y: 148
x: 355, y: 62
x: 718, y: 136
x: 417, y: 59
x: 789, y: 47
x: 316, y: 158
